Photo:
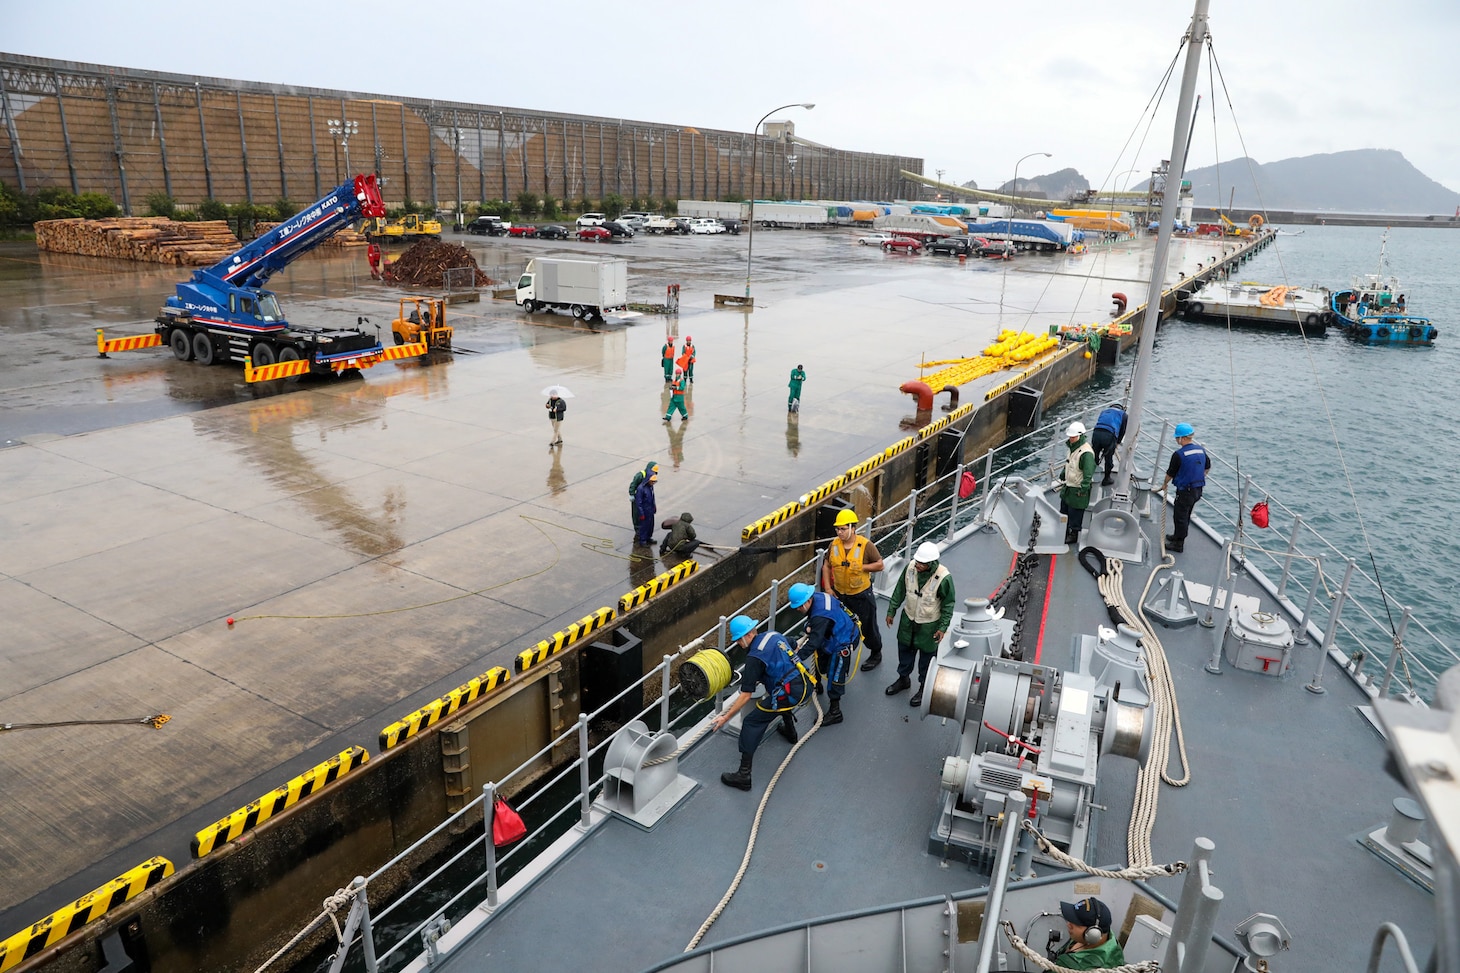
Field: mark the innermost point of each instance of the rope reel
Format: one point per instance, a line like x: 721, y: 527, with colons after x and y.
x: 705, y: 674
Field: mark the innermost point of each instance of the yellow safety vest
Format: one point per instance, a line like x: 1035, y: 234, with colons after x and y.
x: 849, y: 579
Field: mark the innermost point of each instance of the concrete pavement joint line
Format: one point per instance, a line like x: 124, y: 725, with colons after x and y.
x: 241, y: 688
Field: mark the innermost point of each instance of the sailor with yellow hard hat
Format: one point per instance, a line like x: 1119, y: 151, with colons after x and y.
x: 846, y: 573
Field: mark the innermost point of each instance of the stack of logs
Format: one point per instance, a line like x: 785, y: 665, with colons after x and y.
x: 342, y: 238
x: 425, y: 264
x: 154, y: 239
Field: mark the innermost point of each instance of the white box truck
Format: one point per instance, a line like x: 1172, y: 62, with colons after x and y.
x: 587, y: 288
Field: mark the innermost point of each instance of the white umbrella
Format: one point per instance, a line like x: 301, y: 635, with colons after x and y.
x: 561, y: 391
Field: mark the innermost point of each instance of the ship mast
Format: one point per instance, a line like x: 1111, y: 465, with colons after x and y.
x: 1196, y: 38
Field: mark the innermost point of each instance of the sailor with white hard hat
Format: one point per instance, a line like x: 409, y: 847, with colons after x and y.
x: 925, y: 595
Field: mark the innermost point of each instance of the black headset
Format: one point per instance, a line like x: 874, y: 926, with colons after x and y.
x: 1093, y: 934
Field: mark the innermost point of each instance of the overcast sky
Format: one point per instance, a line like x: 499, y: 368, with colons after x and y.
x: 968, y: 87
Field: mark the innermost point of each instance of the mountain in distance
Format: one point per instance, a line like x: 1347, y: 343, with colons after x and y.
x: 1064, y: 184
x: 1357, y: 181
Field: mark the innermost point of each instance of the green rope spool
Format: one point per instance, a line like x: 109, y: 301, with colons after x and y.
x: 705, y: 674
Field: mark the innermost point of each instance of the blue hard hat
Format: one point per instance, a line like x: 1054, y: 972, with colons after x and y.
x: 799, y: 594
x: 1184, y: 429
x: 741, y: 626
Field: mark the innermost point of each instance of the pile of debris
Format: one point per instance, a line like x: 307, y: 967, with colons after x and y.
x: 342, y: 238
x: 426, y: 262
x: 154, y: 239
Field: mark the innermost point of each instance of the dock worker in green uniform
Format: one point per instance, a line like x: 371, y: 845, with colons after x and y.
x: 666, y: 355
x: 676, y: 397
x: 793, y: 401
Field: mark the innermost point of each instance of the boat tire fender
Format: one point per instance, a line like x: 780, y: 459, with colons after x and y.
x: 1382, y: 332
x: 1196, y: 307
x: 1312, y: 320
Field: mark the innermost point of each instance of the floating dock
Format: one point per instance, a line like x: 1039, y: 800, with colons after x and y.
x: 1269, y: 306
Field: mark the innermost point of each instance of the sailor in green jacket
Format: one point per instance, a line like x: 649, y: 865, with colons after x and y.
x: 925, y: 595
x: 1076, y: 479
x: 1091, y: 946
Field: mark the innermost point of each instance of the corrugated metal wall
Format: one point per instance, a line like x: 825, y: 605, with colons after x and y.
x: 128, y: 133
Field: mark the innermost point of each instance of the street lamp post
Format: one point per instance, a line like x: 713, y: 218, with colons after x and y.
x: 940, y: 179
x: 754, y: 148
x: 791, y: 164
x: 1031, y: 155
x: 342, y: 130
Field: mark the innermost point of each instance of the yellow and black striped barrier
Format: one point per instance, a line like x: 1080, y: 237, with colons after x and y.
x: 933, y: 428
x: 657, y: 585
x: 780, y: 516
x: 269, y: 373
x: 822, y: 492
x: 901, y: 446
x: 442, y: 706
x: 129, y: 343
x: 865, y: 467
x: 397, y: 352
x: 559, y: 641
x: 251, y: 815
x: 90, y: 907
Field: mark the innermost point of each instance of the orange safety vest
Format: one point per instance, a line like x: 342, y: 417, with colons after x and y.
x: 849, y: 579
x: 667, y: 352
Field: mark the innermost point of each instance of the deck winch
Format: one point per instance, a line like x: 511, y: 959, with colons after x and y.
x: 1031, y: 728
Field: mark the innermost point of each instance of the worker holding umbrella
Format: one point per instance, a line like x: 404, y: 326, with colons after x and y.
x: 556, y: 409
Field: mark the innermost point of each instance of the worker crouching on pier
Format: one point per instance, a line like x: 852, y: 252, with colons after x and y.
x: 770, y: 662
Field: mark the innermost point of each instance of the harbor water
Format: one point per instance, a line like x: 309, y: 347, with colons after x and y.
x: 1353, y: 437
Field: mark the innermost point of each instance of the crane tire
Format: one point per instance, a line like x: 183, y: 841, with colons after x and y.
x: 182, y: 344
x: 203, y: 351
x: 262, y: 355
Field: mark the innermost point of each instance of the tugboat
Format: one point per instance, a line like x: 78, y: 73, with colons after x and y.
x: 1374, y: 310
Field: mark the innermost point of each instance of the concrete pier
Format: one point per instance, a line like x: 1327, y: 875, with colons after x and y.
x: 380, y: 539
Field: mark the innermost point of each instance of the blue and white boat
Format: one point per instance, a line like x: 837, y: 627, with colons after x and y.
x: 1374, y: 309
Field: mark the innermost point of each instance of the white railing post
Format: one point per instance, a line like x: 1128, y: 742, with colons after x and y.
x: 664, y: 690
x: 1288, y: 557
x: 953, y: 508
x: 1398, y: 648
x: 585, y: 781
x: 489, y: 803
x: 1316, y: 685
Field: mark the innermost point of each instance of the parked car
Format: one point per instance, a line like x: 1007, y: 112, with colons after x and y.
x: 488, y: 226
x: 594, y: 234
x: 522, y: 231
x: 634, y: 221
x: 955, y: 246
x: 552, y: 232
x: 996, y: 249
x: 731, y: 225
x: 706, y: 225
x: 591, y: 219
x: 682, y: 225
x: 874, y: 239
x: 618, y: 229
x: 661, y: 224
x: 904, y: 244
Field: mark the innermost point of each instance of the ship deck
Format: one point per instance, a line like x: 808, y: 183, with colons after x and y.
x: 1273, y: 772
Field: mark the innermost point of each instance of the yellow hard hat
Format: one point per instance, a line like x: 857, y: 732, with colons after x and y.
x: 846, y: 517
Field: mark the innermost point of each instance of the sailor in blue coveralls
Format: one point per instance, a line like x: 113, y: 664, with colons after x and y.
x: 1188, y: 470
x: 769, y: 661
x: 833, y: 633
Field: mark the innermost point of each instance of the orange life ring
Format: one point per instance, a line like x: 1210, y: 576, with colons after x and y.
x: 1255, y: 220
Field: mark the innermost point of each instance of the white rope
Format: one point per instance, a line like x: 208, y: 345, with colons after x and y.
x: 1130, y: 873
x: 1163, y: 700
x: 1045, y: 963
x: 755, y: 830
x: 333, y: 904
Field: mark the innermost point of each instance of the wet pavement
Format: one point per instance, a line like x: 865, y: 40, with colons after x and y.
x: 384, y: 538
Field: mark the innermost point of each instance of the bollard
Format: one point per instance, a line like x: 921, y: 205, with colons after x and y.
x: 1316, y: 686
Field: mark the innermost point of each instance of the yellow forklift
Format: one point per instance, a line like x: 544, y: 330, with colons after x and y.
x: 424, y: 321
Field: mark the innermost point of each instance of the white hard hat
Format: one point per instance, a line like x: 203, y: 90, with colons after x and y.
x: 927, y: 552
x: 1075, y: 429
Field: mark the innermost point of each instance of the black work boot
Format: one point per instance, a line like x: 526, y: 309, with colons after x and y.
x: 741, y: 778
x: 902, y: 683
x: 873, y: 661
x: 787, y: 728
x: 917, y: 697
x: 834, y: 715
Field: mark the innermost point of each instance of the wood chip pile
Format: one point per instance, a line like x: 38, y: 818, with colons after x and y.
x: 343, y: 238
x: 423, y: 265
x: 154, y: 239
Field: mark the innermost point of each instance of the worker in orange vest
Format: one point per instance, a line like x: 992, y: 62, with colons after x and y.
x: 666, y: 355
x: 687, y: 360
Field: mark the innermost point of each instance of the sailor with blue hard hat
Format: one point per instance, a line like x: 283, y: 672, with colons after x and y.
x: 833, y: 633
x: 770, y: 661
x: 1188, y: 470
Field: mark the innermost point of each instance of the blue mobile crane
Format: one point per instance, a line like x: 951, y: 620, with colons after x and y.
x: 224, y: 314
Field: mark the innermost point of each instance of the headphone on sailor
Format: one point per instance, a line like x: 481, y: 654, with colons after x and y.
x: 1091, y: 913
